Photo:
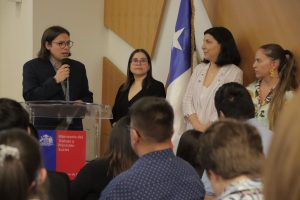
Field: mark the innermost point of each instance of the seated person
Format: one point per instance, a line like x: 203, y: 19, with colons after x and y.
x: 231, y: 153
x: 281, y: 171
x: 95, y: 175
x: 188, y: 148
x: 13, y: 115
x: 233, y: 100
x: 158, y: 173
x: 21, y: 168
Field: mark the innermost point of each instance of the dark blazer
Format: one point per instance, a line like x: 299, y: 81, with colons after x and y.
x: 121, y: 106
x: 39, y: 84
x: 91, y: 180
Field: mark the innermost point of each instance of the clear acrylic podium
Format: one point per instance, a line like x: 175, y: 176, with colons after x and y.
x: 62, y: 115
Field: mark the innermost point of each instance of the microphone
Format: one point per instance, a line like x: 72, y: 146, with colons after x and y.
x: 66, y: 61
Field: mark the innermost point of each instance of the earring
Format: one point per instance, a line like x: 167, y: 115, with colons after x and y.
x: 272, y: 73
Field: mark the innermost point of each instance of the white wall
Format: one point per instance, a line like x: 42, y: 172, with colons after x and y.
x: 15, y: 45
x: 22, y: 27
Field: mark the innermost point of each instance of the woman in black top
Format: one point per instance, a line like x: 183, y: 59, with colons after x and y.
x: 139, y: 83
x: 95, y: 175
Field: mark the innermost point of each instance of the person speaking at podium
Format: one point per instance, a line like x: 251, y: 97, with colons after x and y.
x: 52, y: 75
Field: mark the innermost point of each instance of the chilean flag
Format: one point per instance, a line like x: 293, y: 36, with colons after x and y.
x: 180, y: 67
x: 63, y: 151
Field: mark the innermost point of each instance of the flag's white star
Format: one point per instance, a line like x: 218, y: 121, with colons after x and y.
x: 176, y: 35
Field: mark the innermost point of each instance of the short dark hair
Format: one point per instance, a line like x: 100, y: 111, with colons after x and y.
x: 12, y: 115
x: 119, y: 151
x: 130, y: 78
x: 48, y: 36
x: 229, y: 53
x: 188, y: 148
x: 234, y: 100
x: 231, y: 148
x: 154, y: 117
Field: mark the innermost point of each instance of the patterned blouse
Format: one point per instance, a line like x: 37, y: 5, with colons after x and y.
x: 262, y: 107
x: 246, y: 189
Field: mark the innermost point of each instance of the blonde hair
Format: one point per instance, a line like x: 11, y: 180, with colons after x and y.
x: 281, y: 173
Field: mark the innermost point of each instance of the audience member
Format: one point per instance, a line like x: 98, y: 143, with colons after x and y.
x: 221, y: 58
x: 158, y: 173
x: 188, y: 148
x: 234, y: 101
x: 281, y: 172
x: 119, y: 156
x: 275, y: 70
x: 231, y: 153
x: 13, y: 115
x: 21, y: 170
x: 139, y: 83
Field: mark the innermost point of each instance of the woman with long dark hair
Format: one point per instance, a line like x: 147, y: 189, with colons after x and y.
x: 119, y: 156
x: 139, y: 83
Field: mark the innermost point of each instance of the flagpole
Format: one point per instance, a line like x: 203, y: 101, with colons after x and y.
x: 193, y: 64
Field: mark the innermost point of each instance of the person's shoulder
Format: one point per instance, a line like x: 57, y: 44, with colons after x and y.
x: 157, y: 83
x: 75, y: 63
x: 35, y: 61
x: 289, y: 95
x: 233, y: 67
x: 186, y: 166
x: 123, y: 180
x: 252, y: 85
x: 260, y: 127
x: 97, y: 164
x: 201, y: 66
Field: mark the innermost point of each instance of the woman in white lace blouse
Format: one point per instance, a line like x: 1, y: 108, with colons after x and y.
x: 221, y: 58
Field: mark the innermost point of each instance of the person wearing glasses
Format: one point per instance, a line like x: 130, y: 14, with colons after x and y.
x: 52, y: 75
x: 139, y: 83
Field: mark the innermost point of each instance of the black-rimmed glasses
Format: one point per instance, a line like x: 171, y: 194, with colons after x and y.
x: 63, y: 44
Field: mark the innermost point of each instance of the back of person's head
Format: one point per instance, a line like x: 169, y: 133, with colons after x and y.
x: 281, y: 172
x: 188, y: 148
x: 229, y: 53
x: 20, y: 162
x: 153, y: 118
x: 12, y: 115
x: 130, y: 76
x: 234, y: 101
x: 48, y: 36
x: 230, y: 149
x: 119, y: 150
x: 287, y: 71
